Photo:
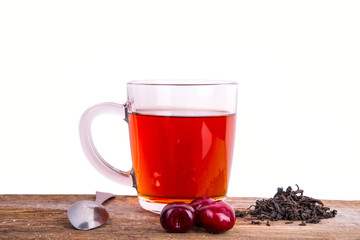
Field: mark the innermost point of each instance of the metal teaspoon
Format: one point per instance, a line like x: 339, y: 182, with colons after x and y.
x: 86, y: 215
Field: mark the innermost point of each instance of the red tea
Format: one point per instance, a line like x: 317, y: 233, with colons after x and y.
x: 180, y: 155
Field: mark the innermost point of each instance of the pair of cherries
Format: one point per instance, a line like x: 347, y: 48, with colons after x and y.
x: 215, y: 216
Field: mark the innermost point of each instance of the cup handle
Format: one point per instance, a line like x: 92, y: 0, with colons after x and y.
x: 117, y: 175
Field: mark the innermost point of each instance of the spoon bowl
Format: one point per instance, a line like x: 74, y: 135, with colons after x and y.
x: 86, y: 215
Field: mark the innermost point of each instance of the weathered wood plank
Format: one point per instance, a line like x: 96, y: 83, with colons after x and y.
x: 45, y: 217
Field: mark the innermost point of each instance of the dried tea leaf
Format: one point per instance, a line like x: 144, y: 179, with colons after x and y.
x: 291, y: 205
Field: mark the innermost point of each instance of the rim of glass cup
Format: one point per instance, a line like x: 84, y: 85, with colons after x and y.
x: 181, y: 82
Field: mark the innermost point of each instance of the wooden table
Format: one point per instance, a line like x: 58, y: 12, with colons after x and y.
x: 45, y: 217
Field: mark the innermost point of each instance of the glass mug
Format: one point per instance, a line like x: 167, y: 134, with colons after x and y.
x: 181, y: 136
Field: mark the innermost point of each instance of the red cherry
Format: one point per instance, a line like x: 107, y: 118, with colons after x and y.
x: 197, y: 203
x: 201, y: 201
x: 177, y: 217
x: 216, y: 217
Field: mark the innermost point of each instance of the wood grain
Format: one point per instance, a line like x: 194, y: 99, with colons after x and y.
x: 45, y: 217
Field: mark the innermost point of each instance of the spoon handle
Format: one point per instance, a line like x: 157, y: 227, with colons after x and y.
x: 101, y: 197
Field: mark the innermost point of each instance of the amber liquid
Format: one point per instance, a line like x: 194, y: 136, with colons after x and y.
x: 181, y: 155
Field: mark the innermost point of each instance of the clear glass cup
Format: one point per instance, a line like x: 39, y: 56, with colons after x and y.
x: 181, y: 136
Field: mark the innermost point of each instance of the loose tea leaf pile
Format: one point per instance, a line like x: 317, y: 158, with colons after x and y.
x: 290, y: 205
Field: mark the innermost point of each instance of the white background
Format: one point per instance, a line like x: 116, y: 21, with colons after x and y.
x: 297, y: 64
